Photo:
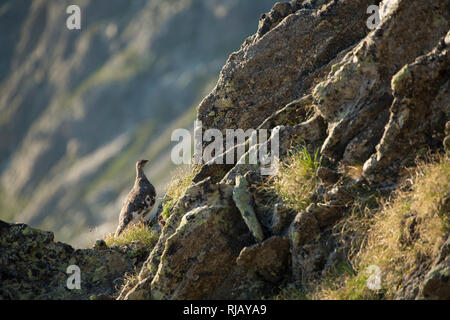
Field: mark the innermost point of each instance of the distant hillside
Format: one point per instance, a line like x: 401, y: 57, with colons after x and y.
x: 79, y: 107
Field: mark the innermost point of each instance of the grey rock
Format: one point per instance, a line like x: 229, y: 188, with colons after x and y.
x: 327, y: 175
x: 281, y: 218
x: 436, y: 285
x: 268, y: 259
x: 244, y: 202
x: 303, y: 229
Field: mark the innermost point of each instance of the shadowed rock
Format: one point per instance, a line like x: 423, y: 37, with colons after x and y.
x: 33, y: 266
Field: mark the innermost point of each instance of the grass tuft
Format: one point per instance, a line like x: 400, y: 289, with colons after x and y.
x: 297, y: 178
x: 139, y: 233
x: 181, y: 180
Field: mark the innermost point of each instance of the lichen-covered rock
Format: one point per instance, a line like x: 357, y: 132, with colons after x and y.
x: 199, y: 255
x: 268, y: 259
x: 33, y: 266
x: 311, y: 132
x: 308, y: 262
x: 268, y: 21
x: 310, y: 257
x: 429, y: 281
x: 315, y: 74
x: 304, y: 229
x: 436, y: 285
x: 327, y: 176
x: 244, y: 202
x: 281, y: 218
x: 419, y: 112
x: 326, y: 214
x: 269, y: 72
x: 356, y: 97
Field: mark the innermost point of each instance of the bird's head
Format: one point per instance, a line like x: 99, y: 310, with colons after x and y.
x: 141, y: 163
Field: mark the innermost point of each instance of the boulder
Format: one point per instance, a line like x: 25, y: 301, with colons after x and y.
x: 34, y: 266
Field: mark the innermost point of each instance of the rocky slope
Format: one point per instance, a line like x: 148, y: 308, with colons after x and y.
x: 377, y: 97
x: 79, y: 107
x: 372, y: 100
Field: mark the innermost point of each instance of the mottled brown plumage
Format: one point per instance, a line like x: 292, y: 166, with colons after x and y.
x: 139, y: 201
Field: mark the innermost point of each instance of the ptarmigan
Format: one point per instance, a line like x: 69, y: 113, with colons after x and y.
x: 139, y: 201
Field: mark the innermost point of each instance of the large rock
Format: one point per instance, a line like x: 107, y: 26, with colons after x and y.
x: 429, y: 281
x: 356, y: 97
x: 419, y: 112
x: 313, y: 74
x: 278, y: 66
x: 268, y: 259
x: 33, y: 266
x: 436, y: 285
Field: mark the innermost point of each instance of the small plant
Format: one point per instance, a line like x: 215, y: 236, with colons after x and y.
x: 139, y: 233
x: 297, y: 178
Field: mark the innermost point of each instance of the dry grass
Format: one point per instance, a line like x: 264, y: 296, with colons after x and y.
x: 130, y: 280
x: 181, y: 180
x: 140, y: 237
x: 297, y: 179
x: 405, y: 233
x: 136, y: 233
x: 354, y: 172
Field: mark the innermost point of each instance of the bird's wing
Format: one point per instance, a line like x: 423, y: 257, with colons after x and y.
x: 138, y: 203
x: 140, y: 200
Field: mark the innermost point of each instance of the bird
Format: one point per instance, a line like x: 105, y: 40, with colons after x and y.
x: 139, y: 201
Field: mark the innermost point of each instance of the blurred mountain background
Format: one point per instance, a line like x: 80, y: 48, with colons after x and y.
x: 79, y: 107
